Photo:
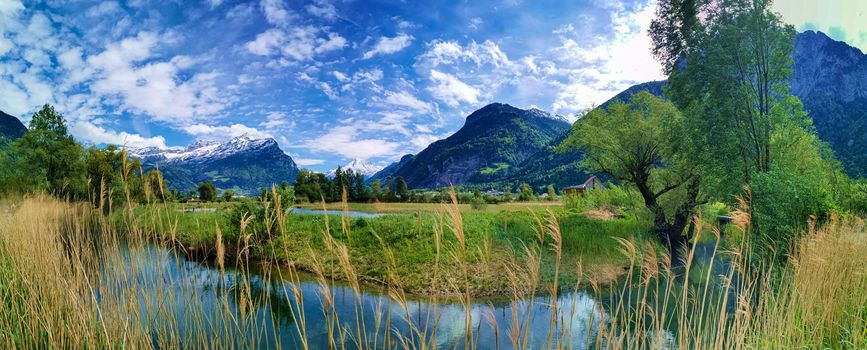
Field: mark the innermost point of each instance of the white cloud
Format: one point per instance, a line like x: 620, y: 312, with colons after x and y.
x: 13, y: 99
x: 299, y: 43
x: 266, y: 42
x: 156, y: 88
x: 387, y: 45
x: 323, y: 9
x: 334, y: 42
x: 277, y: 120
x: 408, y: 101
x: 9, y: 7
x: 96, y: 134
x: 450, y: 90
x: 597, y: 73
x: 308, y: 161
x: 340, y: 76
x: 221, y: 132
x: 325, y: 87
x: 440, y: 52
x: 361, y: 77
x: 215, y: 3
x: 103, y: 8
x: 343, y: 141
x: 579, y: 68
x: 421, y: 142
x: 275, y: 13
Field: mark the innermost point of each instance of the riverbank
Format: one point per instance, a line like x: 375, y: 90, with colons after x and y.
x: 415, y: 251
x: 69, y: 278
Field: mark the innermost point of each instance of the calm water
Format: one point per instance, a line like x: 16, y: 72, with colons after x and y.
x: 352, y: 214
x: 178, y: 286
x: 181, y: 288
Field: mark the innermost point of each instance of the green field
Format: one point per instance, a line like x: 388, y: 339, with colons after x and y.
x: 496, y: 236
x: 393, y: 208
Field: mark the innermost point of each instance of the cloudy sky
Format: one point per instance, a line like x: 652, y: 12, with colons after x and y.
x: 330, y: 80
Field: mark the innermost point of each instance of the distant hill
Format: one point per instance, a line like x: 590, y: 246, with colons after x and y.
x: 243, y: 164
x: 10, y: 127
x: 492, y: 142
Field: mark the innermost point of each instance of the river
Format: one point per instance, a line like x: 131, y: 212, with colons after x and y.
x: 192, y: 295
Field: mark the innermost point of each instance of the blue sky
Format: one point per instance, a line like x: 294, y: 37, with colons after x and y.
x: 329, y: 80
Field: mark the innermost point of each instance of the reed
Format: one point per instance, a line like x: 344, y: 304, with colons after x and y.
x: 70, y: 277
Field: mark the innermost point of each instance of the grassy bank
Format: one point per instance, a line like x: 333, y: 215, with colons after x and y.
x: 393, y: 208
x: 412, y: 234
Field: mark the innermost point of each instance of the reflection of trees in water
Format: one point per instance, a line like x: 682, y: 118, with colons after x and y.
x: 263, y: 296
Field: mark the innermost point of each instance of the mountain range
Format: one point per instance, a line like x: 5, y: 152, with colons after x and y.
x: 243, y: 164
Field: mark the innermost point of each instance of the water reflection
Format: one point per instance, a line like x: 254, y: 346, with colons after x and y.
x: 352, y: 214
x: 201, y: 303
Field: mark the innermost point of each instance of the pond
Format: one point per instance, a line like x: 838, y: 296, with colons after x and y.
x: 352, y: 214
x: 193, y: 298
x: 197, y: 210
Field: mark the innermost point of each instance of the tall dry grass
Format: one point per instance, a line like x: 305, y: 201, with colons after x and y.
x: 71, y: 279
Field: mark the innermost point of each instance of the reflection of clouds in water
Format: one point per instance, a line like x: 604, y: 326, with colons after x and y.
x: 197, y: 286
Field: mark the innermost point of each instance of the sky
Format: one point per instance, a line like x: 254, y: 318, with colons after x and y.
x: 329, y: 80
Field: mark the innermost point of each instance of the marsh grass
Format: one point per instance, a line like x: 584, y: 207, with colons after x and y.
x: 71, y: 277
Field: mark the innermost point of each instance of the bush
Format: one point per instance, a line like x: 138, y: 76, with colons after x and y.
x: 856, y: 198
x: 782, y: 204
x: 478, y: 203
x: 612, y: 197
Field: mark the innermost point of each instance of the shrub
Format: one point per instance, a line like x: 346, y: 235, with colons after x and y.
x: 612, y: 197
x: 478, y: 203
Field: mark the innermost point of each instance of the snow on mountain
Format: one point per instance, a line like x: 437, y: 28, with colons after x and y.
x: 201, y: 150
x: 358, y: 166
x: 243, y: 164
x: 543, y: 114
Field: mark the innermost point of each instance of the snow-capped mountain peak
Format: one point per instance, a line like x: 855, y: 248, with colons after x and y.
x: 358, y: 166
x: 202, y: 150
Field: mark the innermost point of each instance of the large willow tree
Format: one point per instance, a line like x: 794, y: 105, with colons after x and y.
x: 640, y: 142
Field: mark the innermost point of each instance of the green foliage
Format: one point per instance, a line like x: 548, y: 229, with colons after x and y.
x: 614, y: 197
x: 478, y: 201
x: 802, y: 182
x: 640, y: 143
x: 855, y: 199
x: 47, y: 158
x: 228, y: 195
x: 526, y: 193
x: 552, y: 193
x: 495, y: 169
x: 207, y: 191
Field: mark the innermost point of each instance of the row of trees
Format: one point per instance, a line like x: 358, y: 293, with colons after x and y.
x: 729, y: 123
x: 313, y: 187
